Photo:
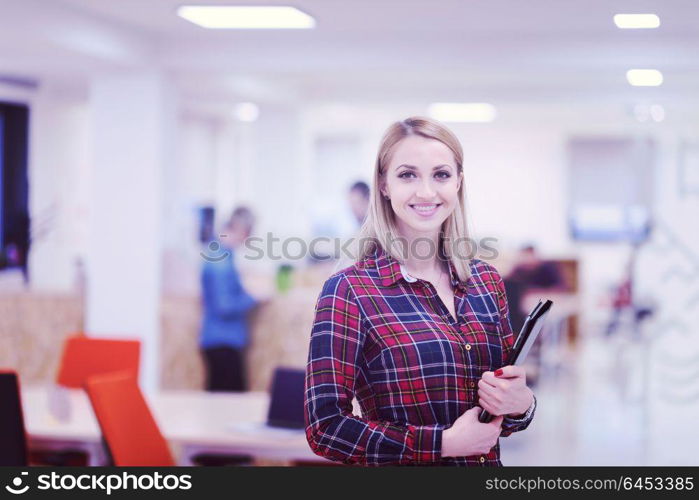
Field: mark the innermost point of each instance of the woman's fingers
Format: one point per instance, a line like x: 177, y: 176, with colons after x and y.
x: 510, y: 371
x: 504, y: 374
x: 490, y: 379
x: 488, y: 405
x: 494, y: 384
x: 485, y: 404
x: 494, y: 390
x: 488, y: 390
x: 503, y: 384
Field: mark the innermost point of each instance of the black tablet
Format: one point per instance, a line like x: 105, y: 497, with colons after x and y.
x: 530, y: 331
x: 526, y: 338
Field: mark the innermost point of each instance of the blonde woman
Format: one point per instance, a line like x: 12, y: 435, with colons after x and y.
x: 415, y: 329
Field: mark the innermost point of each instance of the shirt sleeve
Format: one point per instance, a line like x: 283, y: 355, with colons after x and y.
x: 509, y: 424
x: 228, y: 298
x: 332, y: 373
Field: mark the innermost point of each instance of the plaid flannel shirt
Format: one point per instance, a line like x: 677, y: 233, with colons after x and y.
x: 388, y: 340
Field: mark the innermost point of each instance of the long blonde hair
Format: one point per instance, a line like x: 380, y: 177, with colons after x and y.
x: 379, y: 225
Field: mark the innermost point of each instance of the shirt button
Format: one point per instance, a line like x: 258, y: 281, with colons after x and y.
x: 482, y: 459
x: 472, y: 384
x: 468, y: 347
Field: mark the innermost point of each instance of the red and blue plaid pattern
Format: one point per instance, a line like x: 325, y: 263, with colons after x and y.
x: 414, y: 369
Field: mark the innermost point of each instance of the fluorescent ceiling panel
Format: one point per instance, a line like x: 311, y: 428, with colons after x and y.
x: 246, y: 17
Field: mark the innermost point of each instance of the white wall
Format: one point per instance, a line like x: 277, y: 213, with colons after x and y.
x: 59, y: 172
x: 190, y: 184
x: 516, y: 179
x: 668, y: 281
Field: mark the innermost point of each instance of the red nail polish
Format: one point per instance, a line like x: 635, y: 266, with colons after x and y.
x: 498, y: 372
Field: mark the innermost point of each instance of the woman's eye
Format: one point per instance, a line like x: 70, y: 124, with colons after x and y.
x: 443, y: 175
x: 405, y: 175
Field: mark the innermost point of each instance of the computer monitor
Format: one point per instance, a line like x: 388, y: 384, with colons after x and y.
x: 13, y: 445
x: 286, y: 402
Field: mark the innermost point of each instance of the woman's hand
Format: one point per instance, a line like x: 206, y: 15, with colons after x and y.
x: 505, y: 391
x: 469, y: 437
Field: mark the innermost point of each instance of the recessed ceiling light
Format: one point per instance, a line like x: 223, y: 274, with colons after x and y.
x: 645, y: 112
x: 644, y: 77
x: 248, y: 17
x: 469, y: 112
x: 636, y: 21
x: 657, y: 112
x: 246, y: 111
x: 641, y: 112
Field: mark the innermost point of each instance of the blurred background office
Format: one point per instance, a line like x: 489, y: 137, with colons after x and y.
x: 130, y: 130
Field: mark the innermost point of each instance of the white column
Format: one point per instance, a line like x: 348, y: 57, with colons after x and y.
x: 58, y: 175
x: 132, y: 124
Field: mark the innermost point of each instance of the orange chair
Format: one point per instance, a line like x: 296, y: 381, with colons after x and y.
x: 86, y: 356
x: 132, y: 434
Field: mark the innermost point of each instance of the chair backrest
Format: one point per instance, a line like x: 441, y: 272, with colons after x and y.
x: 85, y: 356
x: 127, y: 424
x: 13, y: 439
x: 286, y: 401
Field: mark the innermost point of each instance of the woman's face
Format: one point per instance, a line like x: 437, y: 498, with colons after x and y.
x: 423, y: 184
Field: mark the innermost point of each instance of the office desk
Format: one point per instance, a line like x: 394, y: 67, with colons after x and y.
x: 192, y: 421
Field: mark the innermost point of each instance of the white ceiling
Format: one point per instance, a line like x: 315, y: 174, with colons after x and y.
x: 533, y: 50
x: 473, y: 17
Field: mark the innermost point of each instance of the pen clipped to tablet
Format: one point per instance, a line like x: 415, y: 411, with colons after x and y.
x: 526, y: 338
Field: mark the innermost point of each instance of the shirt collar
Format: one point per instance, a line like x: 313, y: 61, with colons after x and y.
x: 391, y: 270
x: 455, y: 281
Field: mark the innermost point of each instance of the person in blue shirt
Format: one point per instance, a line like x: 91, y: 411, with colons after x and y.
x: 226, y: 303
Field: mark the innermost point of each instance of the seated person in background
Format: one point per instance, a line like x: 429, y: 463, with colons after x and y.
x: 530, y: 272
x: 534, y: 271
x: 359, y: 201
x: 224, y: 333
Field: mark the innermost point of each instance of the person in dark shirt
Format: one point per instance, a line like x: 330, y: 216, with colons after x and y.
x: 359, y: 201
x: 529, y: 272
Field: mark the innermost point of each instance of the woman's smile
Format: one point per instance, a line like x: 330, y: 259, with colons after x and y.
x: 425, y: 209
